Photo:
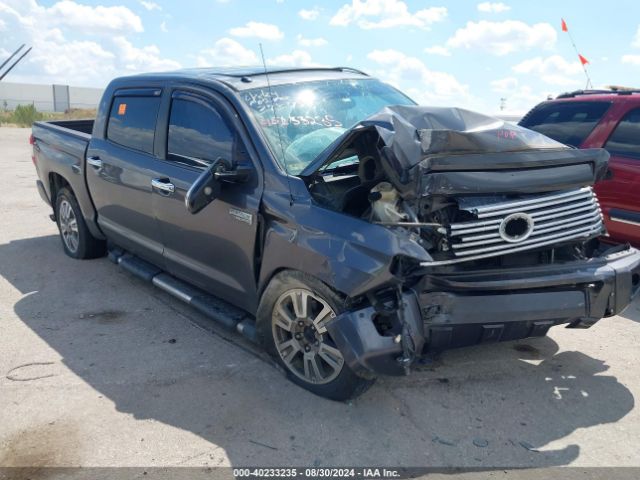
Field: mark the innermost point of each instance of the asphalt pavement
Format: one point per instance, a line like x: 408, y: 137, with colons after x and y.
x: 98, y: 368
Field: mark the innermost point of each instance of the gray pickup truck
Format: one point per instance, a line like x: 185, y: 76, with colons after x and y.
x: 323, y: 214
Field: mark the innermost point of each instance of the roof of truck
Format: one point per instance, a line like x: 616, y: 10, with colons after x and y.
x: 242, y: 78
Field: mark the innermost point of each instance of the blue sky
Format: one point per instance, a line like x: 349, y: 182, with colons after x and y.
x: 464, y: 53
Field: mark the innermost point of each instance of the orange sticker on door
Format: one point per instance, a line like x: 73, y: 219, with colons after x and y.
x: 122, y: 109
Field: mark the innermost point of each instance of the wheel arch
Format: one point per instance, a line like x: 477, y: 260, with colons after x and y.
x: 56, y: 182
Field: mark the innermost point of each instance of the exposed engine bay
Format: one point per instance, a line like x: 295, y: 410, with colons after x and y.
x: 481, y: 190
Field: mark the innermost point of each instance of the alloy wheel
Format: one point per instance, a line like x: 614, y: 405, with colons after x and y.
x: 68, y: 226
x: 301, y: 337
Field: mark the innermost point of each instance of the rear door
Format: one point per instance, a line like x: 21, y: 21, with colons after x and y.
x: 620, y: 195
x: 120, y: 171
x: 215, y: 248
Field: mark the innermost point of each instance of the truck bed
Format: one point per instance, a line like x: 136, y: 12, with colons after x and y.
x: 73, y: 127
x: 59, y: 155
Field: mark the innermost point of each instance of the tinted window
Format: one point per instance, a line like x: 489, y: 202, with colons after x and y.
x: 198, y: 134
x: 625, y: 139
x: 132, y: 122
x: 566, y: 122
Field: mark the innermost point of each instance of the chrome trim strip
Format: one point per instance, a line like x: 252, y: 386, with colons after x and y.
x: 592, y: 208
x: 162, y: 284
x: 584, y: 204
x: 527, y: 208
x: 586, y: 222
x: 512, y: 250
x: 530, y: 201
x: 529, y: 243
x: 624, y: 220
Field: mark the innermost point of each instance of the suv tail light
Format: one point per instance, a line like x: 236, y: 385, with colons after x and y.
x: 32, y: 139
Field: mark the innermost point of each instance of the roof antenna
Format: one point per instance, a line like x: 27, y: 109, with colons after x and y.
x: 275, y: 118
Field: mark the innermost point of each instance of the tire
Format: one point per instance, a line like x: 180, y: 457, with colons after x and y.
x: 279, y: 321
x: 76, y: 238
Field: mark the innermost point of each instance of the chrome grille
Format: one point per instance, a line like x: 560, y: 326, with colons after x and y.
x: 557, y: 217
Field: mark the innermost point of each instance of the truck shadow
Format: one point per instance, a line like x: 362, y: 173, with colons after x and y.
x: 632, y: 312
x: 483, y: 407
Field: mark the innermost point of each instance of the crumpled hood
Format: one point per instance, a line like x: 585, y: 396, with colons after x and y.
x: 418, y: 140
x: 412, y: 133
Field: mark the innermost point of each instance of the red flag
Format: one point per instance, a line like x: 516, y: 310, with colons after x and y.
x: 564, y: 25
x: 583, y: 60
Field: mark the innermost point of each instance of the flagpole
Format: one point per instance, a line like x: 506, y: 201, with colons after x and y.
x: 584, y: 68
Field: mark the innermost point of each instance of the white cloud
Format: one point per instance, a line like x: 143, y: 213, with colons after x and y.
x: 522, y: 99
x: 297, y: 58
x: 69, y: 62
x: 368, y: 14
x: 438, y: 50
x: 89, y: 19
x: 3, y: 25
x: 636, y: 39
x: 150, y: 5
x: 514, y: 98
x: 429, y: 86
x: 227, y: 52
x: 163, y: 27
x: 311, y: 42
x: 55, y: 58
x: 502, y: 38
x: 554, y: 70
x: 504, y: 84
x: 142, y: 59
x: 631, y: 59
x: 67, y: 13
x: 310, y: 14
x: 489, y: 7
x: 265, y: 31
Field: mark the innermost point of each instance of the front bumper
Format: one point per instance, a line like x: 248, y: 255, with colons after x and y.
x: 460, y: 309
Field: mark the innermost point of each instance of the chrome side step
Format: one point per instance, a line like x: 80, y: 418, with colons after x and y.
x: 212, y: 307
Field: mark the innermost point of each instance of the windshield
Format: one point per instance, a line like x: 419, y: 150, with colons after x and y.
x: 301, y: 120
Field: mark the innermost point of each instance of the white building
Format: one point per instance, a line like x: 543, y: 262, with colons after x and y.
x: 48, y: 98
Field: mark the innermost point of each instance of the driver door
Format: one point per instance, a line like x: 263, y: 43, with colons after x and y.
x: 213, y: 249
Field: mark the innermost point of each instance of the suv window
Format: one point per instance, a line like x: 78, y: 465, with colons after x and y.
x: 566, y: 122
x: 198, y: 135
x: 625, y: 139
x: 132, y: 122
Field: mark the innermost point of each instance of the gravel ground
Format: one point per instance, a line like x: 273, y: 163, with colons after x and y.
x: 98, y: 368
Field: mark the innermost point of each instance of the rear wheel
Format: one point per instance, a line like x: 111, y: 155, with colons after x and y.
x: 77, y: 240
x: 292, y: 318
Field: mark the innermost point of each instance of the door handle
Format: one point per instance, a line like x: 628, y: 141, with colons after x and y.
x: 163, y: 185
x: 95, y: 162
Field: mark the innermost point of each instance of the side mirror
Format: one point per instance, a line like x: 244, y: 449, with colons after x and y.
x: 207, y: 186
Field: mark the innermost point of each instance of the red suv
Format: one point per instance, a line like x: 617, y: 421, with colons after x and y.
x: 607, y: 119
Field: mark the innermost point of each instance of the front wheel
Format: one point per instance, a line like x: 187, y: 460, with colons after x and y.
x: 292, y: 321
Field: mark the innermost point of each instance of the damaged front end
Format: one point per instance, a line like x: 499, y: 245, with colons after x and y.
x: 506, y: 217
